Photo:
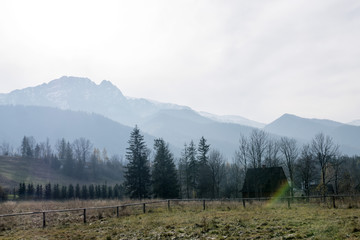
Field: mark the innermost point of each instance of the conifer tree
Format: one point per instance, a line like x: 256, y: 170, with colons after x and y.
x: 56, y: 192
x: 30, y: 191
x: 48, y: 192
x: 71, y: 192
x: 104, y: 191
x: 193, y: 169
x: 204, y: 169
x: 110, y: 192
x: 91, y: 191
x: 164, y: 177
x: 84, y: 192
x: 63, y: 192
x: 137, y: 175
x: 77, y: 191
x: 39, y: 191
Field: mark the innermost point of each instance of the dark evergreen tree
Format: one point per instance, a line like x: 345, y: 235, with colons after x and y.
x: 110, y: 192
x: 71, y: 192
x: 84, y: 192
x: 30, y: 191
x: 3, y: 195
x: 77, y: 191
x: 104, y: 191
x: 55, y: 163
x: 61, y: 149
x: 56, y: 192
x: 37, y: 151
x: 97, y: 191
x: 204, y: 187
x: 193, y: 169
x: 63, y: 192
x: 26, y: 148
x: 48, y: 191
x: 91, y: 191
x: 164, y: 177
x: 116, y: 191
x: 188, y: 171
x: 137, y: 175
x: 22, y: 190
x: 39, y: 191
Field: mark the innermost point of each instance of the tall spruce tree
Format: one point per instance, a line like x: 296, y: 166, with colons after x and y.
x: 204, y: 188
x: 137, y: 174
x: 164, y: 177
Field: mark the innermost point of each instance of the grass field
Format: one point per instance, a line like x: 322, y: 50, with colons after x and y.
x: 186, y: 221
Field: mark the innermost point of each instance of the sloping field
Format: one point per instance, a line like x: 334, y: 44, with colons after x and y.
x: 223, y: 221
x: 14, y: 170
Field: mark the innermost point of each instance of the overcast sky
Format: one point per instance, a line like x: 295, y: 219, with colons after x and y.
x: 257, y: 59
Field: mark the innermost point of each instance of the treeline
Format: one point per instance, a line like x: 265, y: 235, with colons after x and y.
x: 316, y: 167
x: 79, y: 159
x: 61, y: 192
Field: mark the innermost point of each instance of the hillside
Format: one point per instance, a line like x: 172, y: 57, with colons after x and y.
x: 52, y: 123
x: 14, y: 170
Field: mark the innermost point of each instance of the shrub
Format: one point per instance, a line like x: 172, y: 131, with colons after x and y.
x: 3, y: 194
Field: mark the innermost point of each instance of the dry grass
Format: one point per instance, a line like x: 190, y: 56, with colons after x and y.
x: 187, y: 220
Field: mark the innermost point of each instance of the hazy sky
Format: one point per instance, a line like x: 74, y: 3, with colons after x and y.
x: 257, y: 59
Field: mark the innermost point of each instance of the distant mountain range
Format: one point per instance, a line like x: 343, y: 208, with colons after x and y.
x: 303, y: 129
x: 44, y: 122
x: 176, y: 124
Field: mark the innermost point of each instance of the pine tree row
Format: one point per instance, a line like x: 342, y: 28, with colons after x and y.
x: 61, y: 192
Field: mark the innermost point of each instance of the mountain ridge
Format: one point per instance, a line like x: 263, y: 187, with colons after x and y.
x: 175, y: 123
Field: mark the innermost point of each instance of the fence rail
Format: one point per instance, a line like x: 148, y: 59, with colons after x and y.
x: 168, y: 201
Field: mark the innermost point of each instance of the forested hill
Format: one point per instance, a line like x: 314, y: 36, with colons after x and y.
x: 44, y: 122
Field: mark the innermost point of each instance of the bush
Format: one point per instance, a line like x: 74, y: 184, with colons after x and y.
x: 3, y: 194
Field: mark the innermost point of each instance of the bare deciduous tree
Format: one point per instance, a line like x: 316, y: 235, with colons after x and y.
x: 324, y: 150
x: 272, y: 158
x: 241, y: 155
x: 257, y: 145
x: 289, y: 150
x: 306, y: 168
x: 217, y: 166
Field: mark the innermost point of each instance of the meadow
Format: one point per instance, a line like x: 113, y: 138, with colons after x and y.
x: 184, y: 220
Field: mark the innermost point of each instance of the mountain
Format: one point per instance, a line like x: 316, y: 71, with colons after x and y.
x: 44, y: 122
x: 303, y: 129
x: 233, y: 119
x: 81, y: 94
x: 184, y: 125
x: 176, y: 124
x: 355, y: 123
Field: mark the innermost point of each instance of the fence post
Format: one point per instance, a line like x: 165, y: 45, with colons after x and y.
x: 243, y: 203
x: 168, y: 204
x: 204, y: 206
x: 144, y: 208
x: 44, y: 220
x: 117, y: 211
x: 84, y: 215
x: 334, y: 205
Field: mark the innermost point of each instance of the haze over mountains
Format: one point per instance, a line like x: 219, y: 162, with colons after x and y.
x: 176, y: 124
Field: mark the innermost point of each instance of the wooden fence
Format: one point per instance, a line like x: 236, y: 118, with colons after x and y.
x: 244, y: 201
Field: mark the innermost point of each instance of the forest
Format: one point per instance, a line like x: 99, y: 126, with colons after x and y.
x: 313, y: 168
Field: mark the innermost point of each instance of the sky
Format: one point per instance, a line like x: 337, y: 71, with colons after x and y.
x: 257, y: 59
